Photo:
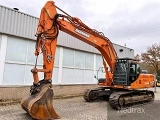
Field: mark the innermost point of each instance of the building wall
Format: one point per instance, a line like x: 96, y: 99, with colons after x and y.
x: 18, y: 92
x: 71, y: 66
x: 123, y: 51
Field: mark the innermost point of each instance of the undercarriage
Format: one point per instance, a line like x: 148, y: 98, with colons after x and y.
x: 119, y: 98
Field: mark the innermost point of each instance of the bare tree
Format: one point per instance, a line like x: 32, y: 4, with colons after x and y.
x: 152, y: 57
x: 145, y: 66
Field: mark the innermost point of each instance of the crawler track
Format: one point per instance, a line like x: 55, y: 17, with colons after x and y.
x: 119, y: 100
x: 92, y: 94
x: 98, y: 93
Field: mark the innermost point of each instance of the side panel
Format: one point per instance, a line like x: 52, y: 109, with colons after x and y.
x: 143, y: 81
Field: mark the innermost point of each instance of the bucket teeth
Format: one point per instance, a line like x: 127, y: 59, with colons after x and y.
x: 39, y: 106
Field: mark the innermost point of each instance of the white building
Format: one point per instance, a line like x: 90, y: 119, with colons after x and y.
x: 76, y: 62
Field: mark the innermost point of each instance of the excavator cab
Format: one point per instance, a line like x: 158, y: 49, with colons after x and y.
x: 126, y: 71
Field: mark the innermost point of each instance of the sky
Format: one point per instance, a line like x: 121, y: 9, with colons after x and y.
x: 134, y: 23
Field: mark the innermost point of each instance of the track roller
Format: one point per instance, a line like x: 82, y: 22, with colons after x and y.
x: 90, y: 95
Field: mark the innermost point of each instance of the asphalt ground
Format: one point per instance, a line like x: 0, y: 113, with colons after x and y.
x: 77, y: 109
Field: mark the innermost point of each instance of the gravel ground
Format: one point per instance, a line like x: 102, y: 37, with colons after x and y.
x: 77, y: 109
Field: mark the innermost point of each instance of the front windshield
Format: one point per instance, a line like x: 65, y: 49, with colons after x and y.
x: 121, y: 66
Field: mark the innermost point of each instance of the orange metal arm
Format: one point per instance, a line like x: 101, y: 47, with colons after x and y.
x: 46, y: 42
x: 100, y: 42
x: 50, y: 23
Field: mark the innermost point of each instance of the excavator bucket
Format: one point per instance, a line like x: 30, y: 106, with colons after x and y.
x: 39, y: 106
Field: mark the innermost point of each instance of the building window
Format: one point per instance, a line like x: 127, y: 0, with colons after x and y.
x: 16, y: 50
x: 20, y: 59
x: 78, y: 67
x: 79, y: 59
x: 99, y: 62
x: 68, y: 57
x: 99, y: 67
x: 0, y: 40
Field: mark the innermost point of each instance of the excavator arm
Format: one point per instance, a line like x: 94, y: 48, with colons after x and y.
x: 39, y: 103
x: 48, y: 28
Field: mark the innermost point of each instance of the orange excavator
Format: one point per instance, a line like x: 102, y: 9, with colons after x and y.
x: 123, y: 83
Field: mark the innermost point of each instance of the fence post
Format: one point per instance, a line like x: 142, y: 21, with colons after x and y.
x: 155, y: 90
